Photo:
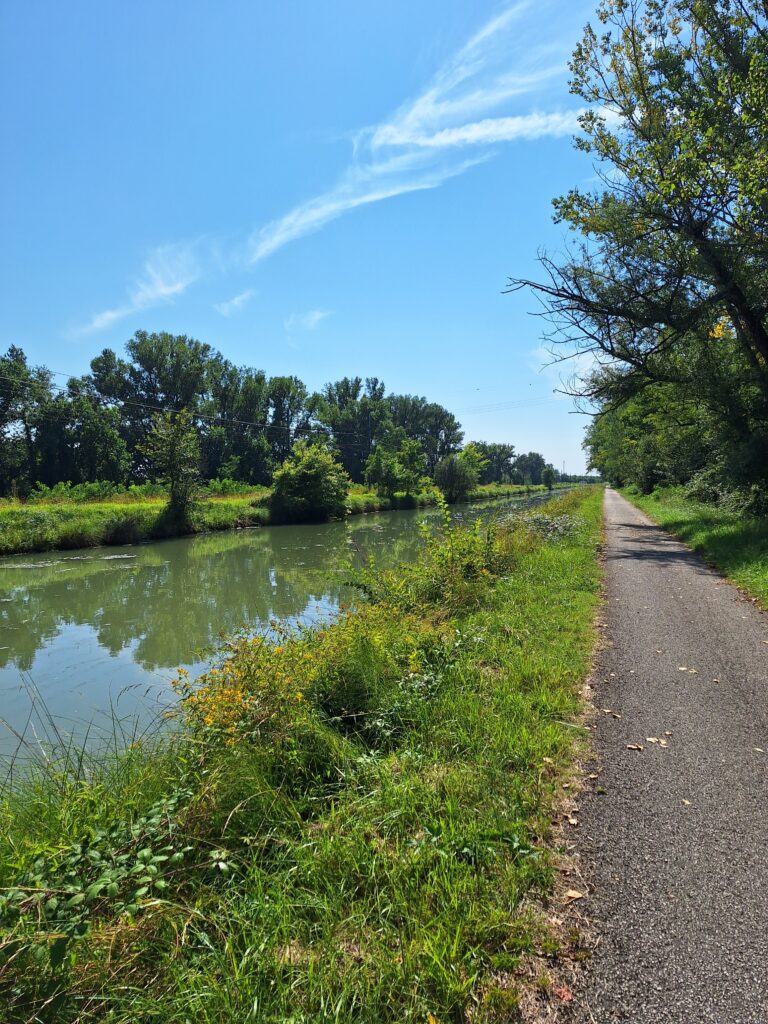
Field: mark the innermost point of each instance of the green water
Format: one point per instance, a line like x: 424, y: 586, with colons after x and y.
x: 94, y: 636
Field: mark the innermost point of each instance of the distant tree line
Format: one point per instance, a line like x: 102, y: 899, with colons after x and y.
x: 667, y: 286
x: 99, y: 427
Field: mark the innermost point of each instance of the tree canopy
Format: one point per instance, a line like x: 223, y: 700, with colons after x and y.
x: 666, y: 285
x: 245, y: 424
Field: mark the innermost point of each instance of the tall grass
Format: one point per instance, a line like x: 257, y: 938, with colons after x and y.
x: 348, y: 823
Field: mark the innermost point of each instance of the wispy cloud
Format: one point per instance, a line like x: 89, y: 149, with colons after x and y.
x: 168, y: 271
x: 236, y: 302
x: 497, y: 89
x: 424, y: 142
x: 308, y: 321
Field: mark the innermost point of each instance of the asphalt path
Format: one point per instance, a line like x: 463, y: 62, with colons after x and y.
x: 674, y: 836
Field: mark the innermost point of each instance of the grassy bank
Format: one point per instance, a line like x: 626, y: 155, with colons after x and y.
x: 734, y: 543
x: 347, y: 824
x: 46, y: 525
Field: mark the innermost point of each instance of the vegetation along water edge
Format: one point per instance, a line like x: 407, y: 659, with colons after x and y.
x: 348, y: 822
x: 58, y: 523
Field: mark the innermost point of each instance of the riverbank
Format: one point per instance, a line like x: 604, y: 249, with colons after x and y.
x: 61, y: 525
x: 735, y: 544
x: 346, y: 825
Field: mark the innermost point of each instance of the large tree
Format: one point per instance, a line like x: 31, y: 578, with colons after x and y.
x: 669, y: 283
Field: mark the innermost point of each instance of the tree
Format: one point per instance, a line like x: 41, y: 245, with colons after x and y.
x: 173, y: 449
x: 528, y: 468
x: 310, y: 486
x: 455, y: 478
x: 499, y: 459
x: 474, y: 460
x: 402, y: 470
x: 548, y: 477
x: 411, y: 465
x: 668, y: 286
x: 382, y: 472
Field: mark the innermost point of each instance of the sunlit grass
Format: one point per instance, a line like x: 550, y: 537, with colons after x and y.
x: 351, y: 822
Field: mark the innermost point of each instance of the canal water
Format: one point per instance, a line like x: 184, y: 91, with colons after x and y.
x: 90, y: 639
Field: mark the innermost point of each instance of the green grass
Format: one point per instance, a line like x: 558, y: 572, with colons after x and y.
x: 348, y: 826
x: 734, y: 543
x: 46, y: 525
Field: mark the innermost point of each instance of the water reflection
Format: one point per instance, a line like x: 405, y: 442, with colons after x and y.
x: 112, y: 623
x: 99, y: 632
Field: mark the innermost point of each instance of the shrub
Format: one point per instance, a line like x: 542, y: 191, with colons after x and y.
x: 309, y: 487
x: 173, y: 447
x: 455, y: 477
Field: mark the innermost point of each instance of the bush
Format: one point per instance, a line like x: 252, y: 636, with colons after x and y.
x: 456, y: 478
x: 310, y: 487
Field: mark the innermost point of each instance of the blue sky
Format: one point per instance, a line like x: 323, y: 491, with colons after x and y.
x: 324, y: 189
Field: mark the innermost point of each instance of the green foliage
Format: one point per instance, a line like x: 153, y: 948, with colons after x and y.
x: 472, y: 457
x: 357, y: 806
x: 456, y: 478
x: 667, y: 287
x: 402, y: 470
x: 310, y: 486
x: 499, y: 462
x: 548, y: 477
x: 381, y: 472
x: 173, y: 448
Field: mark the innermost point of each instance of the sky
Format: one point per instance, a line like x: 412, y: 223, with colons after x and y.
x: 321, y: 189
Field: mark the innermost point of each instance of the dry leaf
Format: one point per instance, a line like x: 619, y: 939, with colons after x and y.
x: 635, y: 746
x: 668, y: 732
x: 573, y: 821
x: 759, y: 750
x: 573, y: 894
x: 563, y: 992
x: 651, y: 739
x: 594, y: 775
x: 687, y: 803
x: 681, y: 668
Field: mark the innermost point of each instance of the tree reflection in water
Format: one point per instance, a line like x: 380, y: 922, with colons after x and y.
x: 98, y: 632
x: 91, y: 625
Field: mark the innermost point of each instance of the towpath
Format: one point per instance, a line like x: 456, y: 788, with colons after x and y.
x: 674, y: 835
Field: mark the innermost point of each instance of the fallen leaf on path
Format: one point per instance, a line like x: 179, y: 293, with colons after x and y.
x: 764, y: 641
x: 573, y: 821
x: 759, y: 750
x: 594, y: 775
x: 635, y: 746
x: 687, y: 803
x: 715, y: 680
x: 682, y: 668
x: 651, y: 739
x: 563, y: 992
x: 572, y: 894
x: 668, y: 732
